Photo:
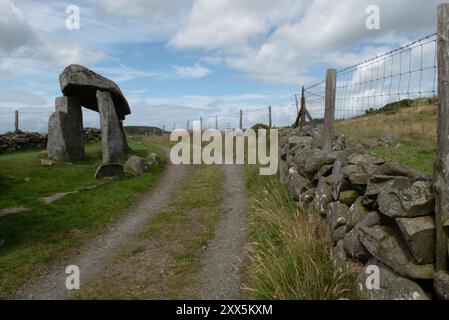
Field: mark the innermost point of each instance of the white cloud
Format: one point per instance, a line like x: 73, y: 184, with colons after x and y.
x: 21, y: 98
x: 14, y: 30
x: 196, y: 71
x: 232, y: 24
x: 286, y: 41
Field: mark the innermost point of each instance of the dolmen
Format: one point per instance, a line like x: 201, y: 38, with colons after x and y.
x: 82, y: 87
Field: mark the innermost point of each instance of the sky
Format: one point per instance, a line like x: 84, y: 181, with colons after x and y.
x: 176, y: 61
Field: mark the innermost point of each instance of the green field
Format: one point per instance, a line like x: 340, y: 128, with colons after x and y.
x: 411, y: 123
x: 36, y: 238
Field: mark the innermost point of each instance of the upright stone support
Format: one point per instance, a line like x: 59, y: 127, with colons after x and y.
x: 65, y: 130
x: 112, y: 134
x: 125, y: 141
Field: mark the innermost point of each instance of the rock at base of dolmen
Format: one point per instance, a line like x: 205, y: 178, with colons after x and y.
x: 109, y: 170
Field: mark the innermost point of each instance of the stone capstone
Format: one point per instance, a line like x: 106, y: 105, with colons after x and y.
x: 79, y: 81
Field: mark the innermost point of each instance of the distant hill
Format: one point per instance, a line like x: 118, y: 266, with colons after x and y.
x: 143, y: 130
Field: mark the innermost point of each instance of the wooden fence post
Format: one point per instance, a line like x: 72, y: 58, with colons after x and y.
x: 16, y: 121
x: 201, y: 123
x: 303, y: 110
x: 241, y: 119
x: 269, y: 117
x: 296, y: 103
x: 440, y: 171
x: 216, y: 122
x: 329, y: 109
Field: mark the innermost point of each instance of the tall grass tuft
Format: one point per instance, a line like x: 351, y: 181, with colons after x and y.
x: 289, y: 251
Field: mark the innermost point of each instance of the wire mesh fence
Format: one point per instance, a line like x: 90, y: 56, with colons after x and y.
x: 30, y: 120
x: 314, y: 97
x: 387, y: 103
x: 37, y: 120
x: 408, y: 72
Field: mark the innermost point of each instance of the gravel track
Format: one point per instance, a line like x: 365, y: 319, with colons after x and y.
x: 96, y: 255
x: 221, y: 274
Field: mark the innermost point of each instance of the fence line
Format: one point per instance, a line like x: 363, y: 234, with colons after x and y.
x: 388, y: 84
x: 407, y: 72
x: 37, y: 121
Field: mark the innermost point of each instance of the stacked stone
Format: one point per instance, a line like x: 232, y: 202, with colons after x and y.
x: 380, y: 214
x: 14, y: 141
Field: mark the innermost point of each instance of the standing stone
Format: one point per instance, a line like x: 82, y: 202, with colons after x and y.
x: 125, y: 141
x: 112, y: 136
x: 65, y: 130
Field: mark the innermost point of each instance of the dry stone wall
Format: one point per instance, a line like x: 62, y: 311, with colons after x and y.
x: 16, y: 141
x: 380, y: 213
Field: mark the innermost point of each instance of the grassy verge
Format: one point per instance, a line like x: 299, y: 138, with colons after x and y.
x: 36, y: 238
x: 289, y: 251
x: 412, y: 123
x: 164, y: 262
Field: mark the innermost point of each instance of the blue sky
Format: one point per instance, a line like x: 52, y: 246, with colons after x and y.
x: 179, y: 60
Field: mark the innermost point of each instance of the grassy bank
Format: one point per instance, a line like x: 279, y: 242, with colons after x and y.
x: 166, y: 258
x: 289, y: 251
x: 36, y: 238
x: 412, y: 124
